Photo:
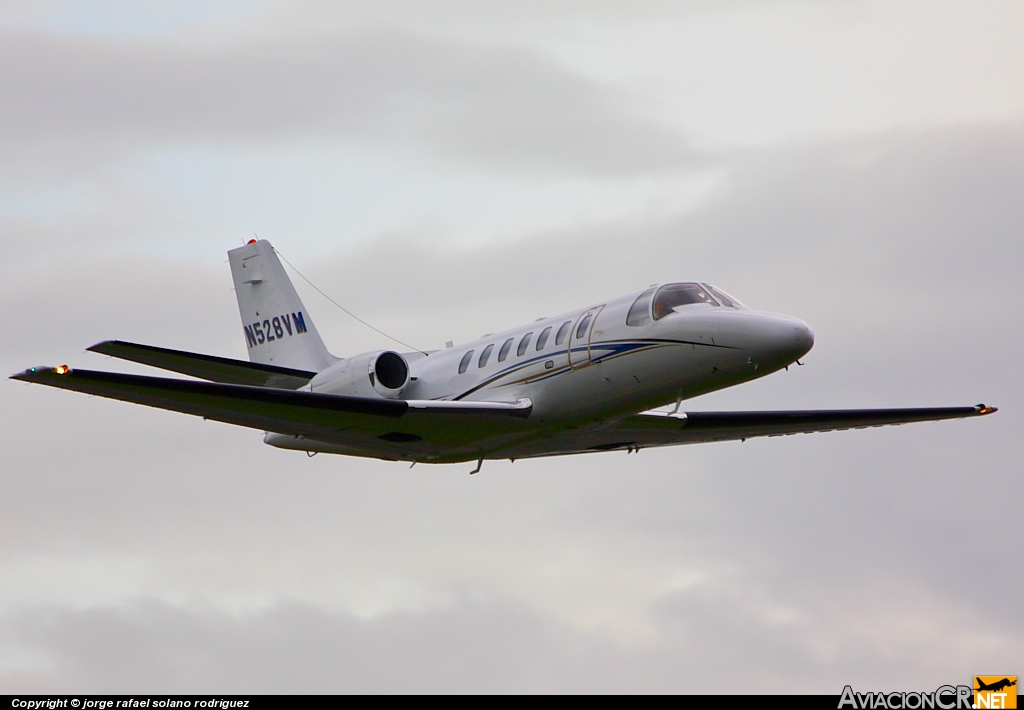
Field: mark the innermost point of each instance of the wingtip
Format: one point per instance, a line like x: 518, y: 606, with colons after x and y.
x: 98, y: 347
x: 33, y: 374
x: 985, y: 409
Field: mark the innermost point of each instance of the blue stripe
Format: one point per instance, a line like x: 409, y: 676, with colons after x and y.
x: 615, y: 348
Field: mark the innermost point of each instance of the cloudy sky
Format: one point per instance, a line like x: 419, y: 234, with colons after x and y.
x: 450, y: 169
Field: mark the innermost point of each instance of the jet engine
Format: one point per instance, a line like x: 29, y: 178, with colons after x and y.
x: 377, y: 374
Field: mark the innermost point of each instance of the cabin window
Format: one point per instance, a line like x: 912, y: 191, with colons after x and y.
x: 672, y: 296
x: 725, y: 298
x: 524, y: 344
x: 464, y: 365
x: 640, y: 312
x: 562, y: 332
x: 542, y: 339
x: 503, y: 353
x: 582, y: 330
x: 485, y: 355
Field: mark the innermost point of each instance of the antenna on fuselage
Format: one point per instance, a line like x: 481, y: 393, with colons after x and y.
x: 350, y: 313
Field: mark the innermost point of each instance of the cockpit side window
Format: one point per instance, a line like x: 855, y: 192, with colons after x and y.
x: 672, y: 296
x: 640, y: 312
x: 725, y: 298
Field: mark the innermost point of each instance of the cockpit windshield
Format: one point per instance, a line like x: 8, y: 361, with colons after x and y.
x: 724, y: 298
x: 672, y: 296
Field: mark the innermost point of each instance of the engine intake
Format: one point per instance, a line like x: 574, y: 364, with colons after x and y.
x: 391, y: 370
x: 389, y: 373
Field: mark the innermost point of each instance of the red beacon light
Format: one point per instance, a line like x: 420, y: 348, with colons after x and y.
x: 251, y: 241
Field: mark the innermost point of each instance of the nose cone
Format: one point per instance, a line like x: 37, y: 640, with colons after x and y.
x: 803, y: 338
x: 785, y: 340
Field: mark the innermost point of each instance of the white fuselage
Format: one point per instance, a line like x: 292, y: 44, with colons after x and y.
x: 601, y: 367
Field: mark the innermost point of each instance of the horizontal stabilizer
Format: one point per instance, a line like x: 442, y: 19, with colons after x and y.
x: 207, y: 367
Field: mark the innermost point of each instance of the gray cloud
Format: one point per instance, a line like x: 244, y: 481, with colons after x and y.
x: 149, y: 548
x: 896, y: 233
x: 61, y: 97
x: 708, y: 645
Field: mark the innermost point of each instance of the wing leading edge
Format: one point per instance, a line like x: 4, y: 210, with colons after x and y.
x: 723, y: 426
x: 647, y: 430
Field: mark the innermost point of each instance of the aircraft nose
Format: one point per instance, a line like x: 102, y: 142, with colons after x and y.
x: 803, y: 338
x: 788, y: 340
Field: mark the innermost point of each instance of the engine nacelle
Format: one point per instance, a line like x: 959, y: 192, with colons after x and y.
x: 378, y: 374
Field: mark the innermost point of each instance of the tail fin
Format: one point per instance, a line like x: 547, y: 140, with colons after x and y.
x: 278, y: 329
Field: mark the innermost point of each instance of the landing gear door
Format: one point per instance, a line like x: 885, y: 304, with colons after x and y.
x: 579, y: 338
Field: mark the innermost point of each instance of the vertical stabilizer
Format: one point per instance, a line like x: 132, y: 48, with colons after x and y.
x: 277, y: 327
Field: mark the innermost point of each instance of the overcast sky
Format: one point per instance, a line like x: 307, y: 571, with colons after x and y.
x: 450, y: 169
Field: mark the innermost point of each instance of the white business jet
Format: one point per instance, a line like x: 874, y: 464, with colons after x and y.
x: 580, y: 382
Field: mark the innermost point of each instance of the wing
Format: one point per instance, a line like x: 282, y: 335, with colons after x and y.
x: 384, y: 428
x: 644, y: 430
x: 444, y: 431
x: 206, y: 367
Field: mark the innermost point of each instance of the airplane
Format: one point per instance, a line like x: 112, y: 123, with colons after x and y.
x: 584, y: 381
x: 995, y: 686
